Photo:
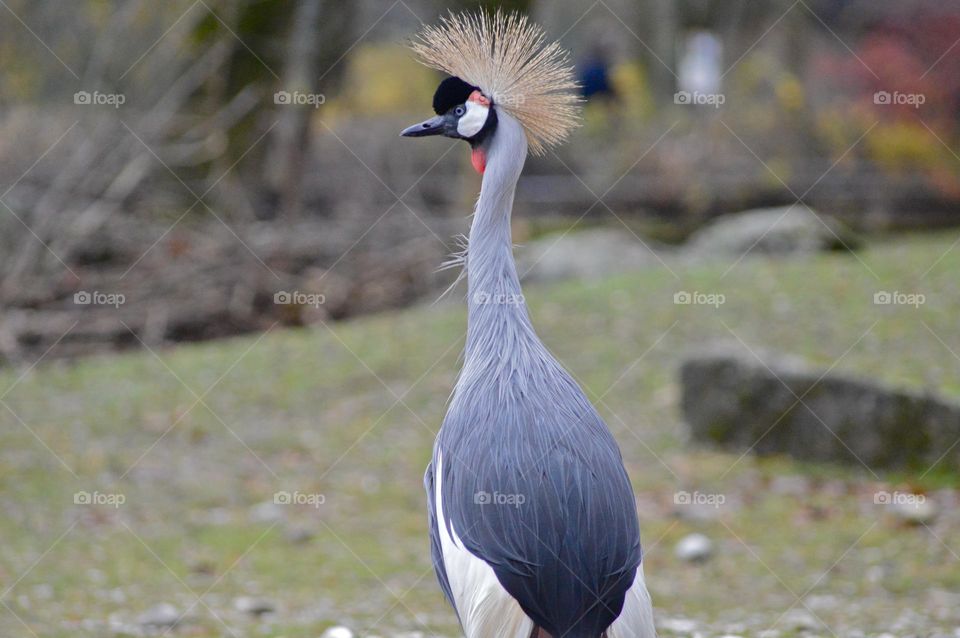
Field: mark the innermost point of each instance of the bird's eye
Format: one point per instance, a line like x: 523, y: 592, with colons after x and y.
x: 459, y: 111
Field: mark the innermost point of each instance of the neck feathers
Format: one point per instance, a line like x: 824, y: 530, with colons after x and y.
x: 497, y: 314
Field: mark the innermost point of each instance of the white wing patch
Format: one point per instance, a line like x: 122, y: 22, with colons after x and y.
x: 636, y: 618
x: 473, y: 120
x: 484, y: 606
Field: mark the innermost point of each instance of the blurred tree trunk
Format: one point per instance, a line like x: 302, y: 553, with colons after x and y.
x: 665, y: 37
x: 290, y: 137
x: 319, y: 35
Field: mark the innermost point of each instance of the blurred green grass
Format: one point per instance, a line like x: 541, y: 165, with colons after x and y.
x: 198, y: 437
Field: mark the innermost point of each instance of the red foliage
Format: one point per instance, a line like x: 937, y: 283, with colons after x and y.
x: 919, y: 56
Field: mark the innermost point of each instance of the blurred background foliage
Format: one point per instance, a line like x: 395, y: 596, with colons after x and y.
x: 201, y: 168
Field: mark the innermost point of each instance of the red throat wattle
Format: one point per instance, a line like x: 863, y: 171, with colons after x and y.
x: 478, y: 157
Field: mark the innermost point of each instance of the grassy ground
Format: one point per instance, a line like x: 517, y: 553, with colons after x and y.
x: 196, y: 440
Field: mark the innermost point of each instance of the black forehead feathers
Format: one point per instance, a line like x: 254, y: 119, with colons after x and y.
x: 451, y: 92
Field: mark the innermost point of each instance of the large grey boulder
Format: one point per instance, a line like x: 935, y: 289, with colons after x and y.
x: 783, y: 406
x: 776, y: 231
x: 586, y: 254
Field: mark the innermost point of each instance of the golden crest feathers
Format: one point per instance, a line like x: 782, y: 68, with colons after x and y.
x: 506, y: 56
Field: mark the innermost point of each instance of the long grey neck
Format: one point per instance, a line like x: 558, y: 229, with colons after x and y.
x: 496, y: 313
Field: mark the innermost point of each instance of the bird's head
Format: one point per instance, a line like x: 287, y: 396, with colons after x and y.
x: 463, y: 113
x: 502, y: 69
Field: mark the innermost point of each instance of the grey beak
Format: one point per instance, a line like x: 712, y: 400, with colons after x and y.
x: 433, y: 126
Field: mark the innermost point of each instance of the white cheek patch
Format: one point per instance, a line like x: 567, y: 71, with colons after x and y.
x: 473, y: 120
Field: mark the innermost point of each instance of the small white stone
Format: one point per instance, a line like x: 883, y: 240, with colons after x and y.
x: 299, y: 535
x: 790, y: 485
x: 162, y: 615
x: 96, y: 576
x: 822, y: 601
x: 875, y: 574
x: 917, y: 512
x: 120, y: 629
x: 43, y: 591
x: 694, y: 548
x: 218, y: 516
x: 801, y: 620
x: 678, y: 625
x: 253, y: 606
x: 337, y: 632
x: 266, y: 512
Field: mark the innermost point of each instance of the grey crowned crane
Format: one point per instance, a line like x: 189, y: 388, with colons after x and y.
x: 533, y: 522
